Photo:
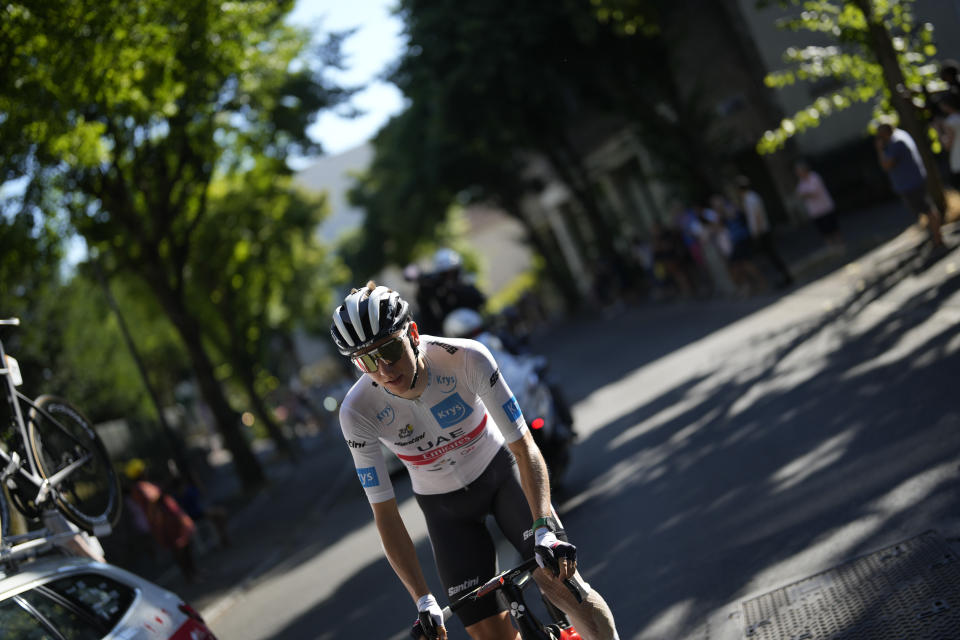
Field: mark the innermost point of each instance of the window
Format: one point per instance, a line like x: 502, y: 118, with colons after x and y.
x: 103, y: 598
x: 79, y: 607
x: 71, y: 624
x: 18, y: 624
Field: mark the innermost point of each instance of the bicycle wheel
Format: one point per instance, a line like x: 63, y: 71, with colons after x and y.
x: 60, y: 435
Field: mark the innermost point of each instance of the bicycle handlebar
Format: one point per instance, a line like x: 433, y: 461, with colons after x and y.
x: 13, y: 322
x: 510, y: 576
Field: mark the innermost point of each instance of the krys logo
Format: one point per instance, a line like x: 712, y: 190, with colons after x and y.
x: 386, y: 415
x: 450, y: 411
x: 446, y: 384
x: 368, y: 476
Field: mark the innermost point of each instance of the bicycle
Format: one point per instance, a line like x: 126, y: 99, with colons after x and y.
x: 52, y: 458
x: 510, y: 585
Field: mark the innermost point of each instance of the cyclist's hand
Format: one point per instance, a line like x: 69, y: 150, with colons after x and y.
x: 554, y: 554
x: 429, y: 622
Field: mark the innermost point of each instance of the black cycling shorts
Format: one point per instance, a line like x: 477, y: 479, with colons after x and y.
x: 463, y: 546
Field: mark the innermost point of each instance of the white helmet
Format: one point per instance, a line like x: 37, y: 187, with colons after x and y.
x: 446, y: 259
x: 367, y: 315
x: 462, y: 323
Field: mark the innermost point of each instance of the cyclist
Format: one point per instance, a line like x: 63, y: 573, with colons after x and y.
x: 441, y: 405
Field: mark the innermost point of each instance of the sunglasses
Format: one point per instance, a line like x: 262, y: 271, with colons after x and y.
x: 389, y: 352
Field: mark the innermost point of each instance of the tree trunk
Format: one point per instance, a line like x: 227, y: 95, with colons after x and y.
x: 571, y: 170
x: 900, y: 97
x: 244, y: 366
x: 227, y: 420
x: 557, y: 269
x: 260, y: 409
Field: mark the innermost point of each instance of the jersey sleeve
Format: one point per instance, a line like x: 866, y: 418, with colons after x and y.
x: 484, y: 376
x: 367, y: 455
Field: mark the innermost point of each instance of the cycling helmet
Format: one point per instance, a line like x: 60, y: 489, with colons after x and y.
x: 446, y: 259
x: 367, y: 315
x: 462, y: 323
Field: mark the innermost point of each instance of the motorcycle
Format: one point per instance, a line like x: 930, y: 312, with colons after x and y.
x: 547, y: 412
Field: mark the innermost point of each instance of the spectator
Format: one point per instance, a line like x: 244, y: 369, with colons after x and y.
x: 759, y: 225
x: 819, y: 204
x: 715, y: 244
x: 950, y: 73
x: 739, y: 249
x: 898, y: 155
x: 190, y: 498
x: 950, y: 136
x: 171, y: 527
x: 670, y: 263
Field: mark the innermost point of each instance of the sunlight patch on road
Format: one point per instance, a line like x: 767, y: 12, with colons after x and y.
x: 829, y: 550
x: 292, y: 593
x: 906, y: 345
x: 731, y: 349
x: 913, y: 491
x: 859, y: 536
x: 661, y: 418
x: 668, y: 621
x: 810, y: 463
x: 644, y: 467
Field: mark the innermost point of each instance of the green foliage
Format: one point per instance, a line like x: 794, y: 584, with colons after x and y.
x: 259, y: 269
x: 121, y: 115
x: 849, y: 66
x: 629, y: 16
x: 488, y: 85
x: 521, y: 284
x: 93, y: 365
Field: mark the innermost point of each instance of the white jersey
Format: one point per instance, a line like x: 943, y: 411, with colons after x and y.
x: 446, y: 437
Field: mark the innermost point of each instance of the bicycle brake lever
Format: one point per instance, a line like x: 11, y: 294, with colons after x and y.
x: 575, y: 589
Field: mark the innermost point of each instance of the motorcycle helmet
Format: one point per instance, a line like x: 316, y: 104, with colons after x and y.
x: 446, y: 260
x: 462, y: 323
x: 367, y: 315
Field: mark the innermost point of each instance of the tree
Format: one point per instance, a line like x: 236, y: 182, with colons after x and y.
x: 489, y: 85
x: 261, y: 271
x: 881, y: 56
x: 129, y: 111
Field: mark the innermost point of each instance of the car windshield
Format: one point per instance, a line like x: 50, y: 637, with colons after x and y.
x: 78, y: 607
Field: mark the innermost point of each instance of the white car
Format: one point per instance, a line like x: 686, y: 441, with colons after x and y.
x: 61, y: 598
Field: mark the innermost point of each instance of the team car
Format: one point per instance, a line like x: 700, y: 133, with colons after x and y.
x: 62, y: 598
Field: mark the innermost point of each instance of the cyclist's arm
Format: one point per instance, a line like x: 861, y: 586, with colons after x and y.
x: 533, y: 475
x: 398, y: 547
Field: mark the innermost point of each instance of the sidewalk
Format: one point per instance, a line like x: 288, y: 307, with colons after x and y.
x: 863, y: 230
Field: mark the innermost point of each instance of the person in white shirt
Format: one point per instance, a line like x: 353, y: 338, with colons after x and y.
x: 443, y: 408
x: 819, y: 204
x: 759, y: 224
x: 950, y: 135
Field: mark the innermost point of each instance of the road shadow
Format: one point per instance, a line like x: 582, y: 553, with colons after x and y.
x: 735, y: 471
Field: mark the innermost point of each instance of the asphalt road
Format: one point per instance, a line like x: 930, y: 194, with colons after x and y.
x: 727, y: 448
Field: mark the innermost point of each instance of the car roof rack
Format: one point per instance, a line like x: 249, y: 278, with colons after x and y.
x: 15, y: 550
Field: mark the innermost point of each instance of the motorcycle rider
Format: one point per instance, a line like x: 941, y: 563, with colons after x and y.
x: 441, y: 405
x: 444, y: 289
x: 526, y: 375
